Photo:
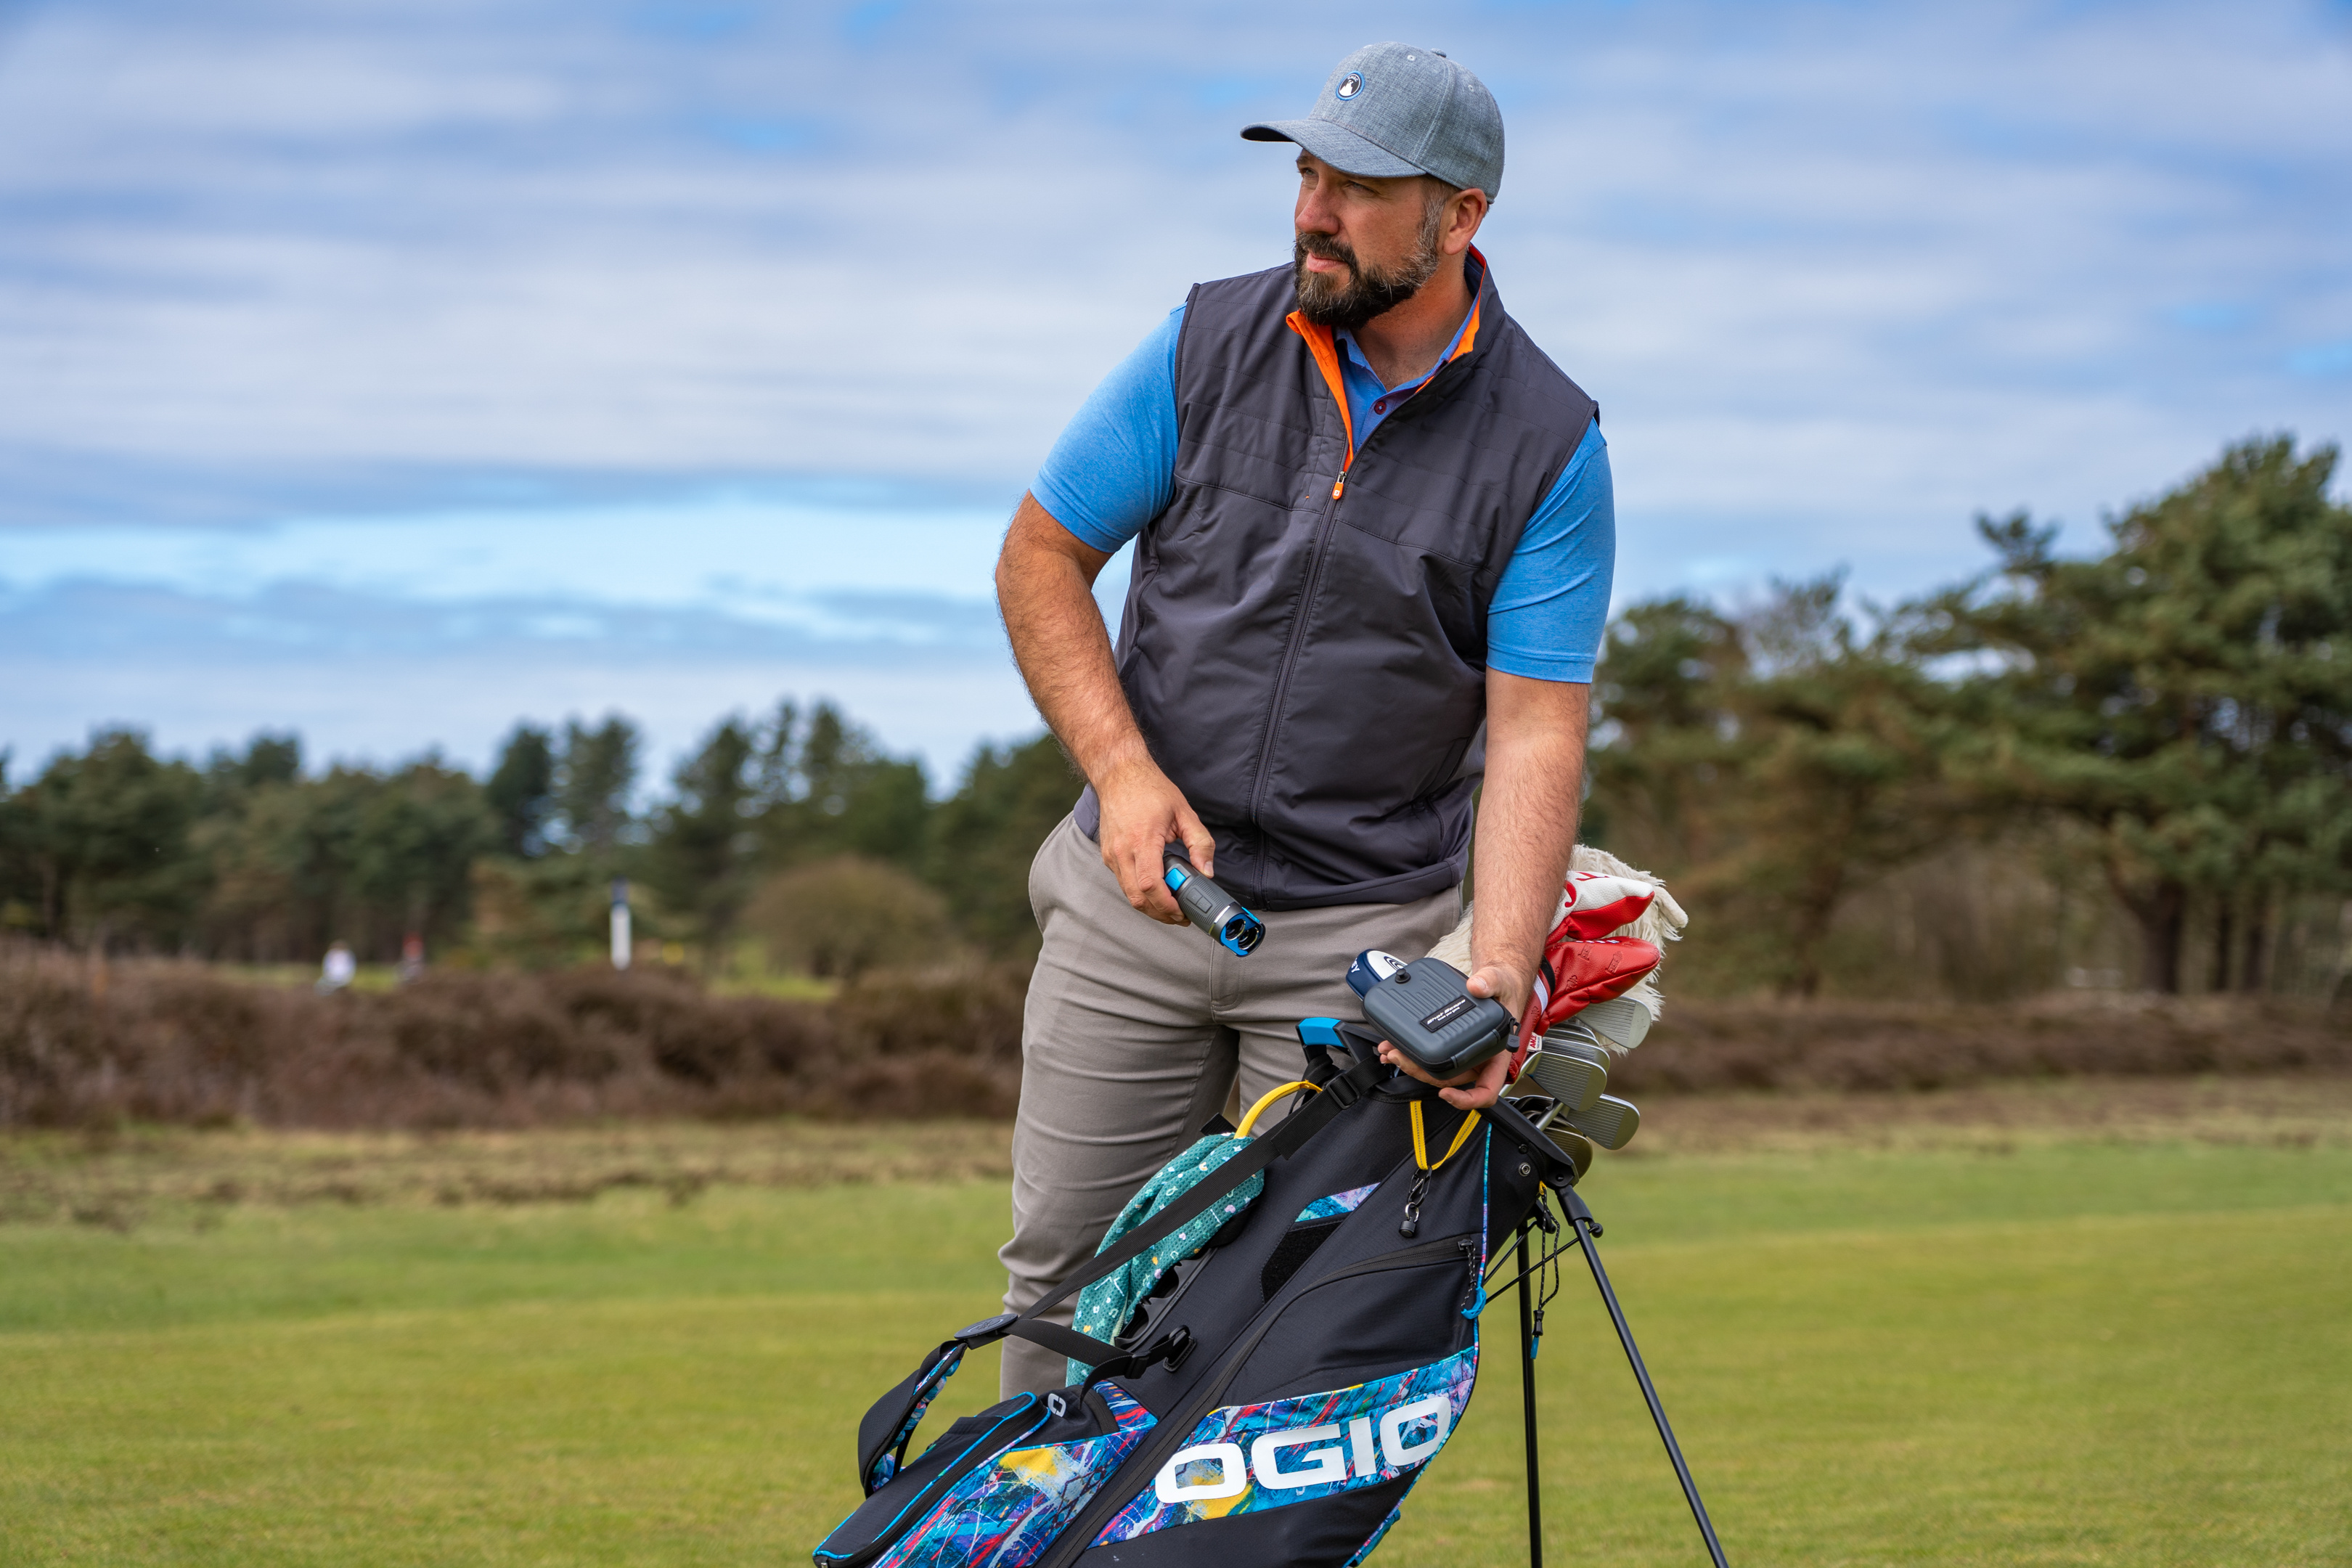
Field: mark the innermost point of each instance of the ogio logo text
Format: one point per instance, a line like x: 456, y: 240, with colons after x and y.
x: 1308, y: 1456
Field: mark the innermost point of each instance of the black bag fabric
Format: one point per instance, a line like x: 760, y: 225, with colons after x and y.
x: 1276, y: 1397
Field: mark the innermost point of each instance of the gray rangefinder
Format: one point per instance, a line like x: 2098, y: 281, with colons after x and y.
x: 1425, y: 1010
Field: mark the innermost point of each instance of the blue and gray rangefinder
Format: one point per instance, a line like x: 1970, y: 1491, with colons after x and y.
x: 1212, y: 909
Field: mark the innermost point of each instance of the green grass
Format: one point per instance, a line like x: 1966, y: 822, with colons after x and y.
x: 2071, y: 1353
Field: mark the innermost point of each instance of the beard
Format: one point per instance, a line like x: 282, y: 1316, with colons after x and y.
x: 1368, y: 292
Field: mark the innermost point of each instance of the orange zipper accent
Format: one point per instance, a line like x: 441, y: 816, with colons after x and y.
x: 1327, y: 359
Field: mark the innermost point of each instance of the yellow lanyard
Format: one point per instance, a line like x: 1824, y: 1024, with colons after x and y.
x: 1421, y: 1148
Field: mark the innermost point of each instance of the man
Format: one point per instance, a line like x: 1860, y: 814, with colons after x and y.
x: 1374, y: 535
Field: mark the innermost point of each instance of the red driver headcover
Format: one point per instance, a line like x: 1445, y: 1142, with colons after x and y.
x: 1576, y: 973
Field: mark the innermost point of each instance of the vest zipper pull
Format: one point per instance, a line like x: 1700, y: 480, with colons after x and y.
x: 1338, y: 484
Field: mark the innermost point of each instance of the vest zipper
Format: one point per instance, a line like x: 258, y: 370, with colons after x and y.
x: 1298, y: 635
x: 1306, y: 604
x: 1169, y: 1434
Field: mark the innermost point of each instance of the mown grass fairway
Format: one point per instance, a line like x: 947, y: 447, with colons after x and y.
x: 2116, y: 1352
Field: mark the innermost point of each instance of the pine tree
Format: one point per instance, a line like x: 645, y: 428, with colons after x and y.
x: 2187, y: 696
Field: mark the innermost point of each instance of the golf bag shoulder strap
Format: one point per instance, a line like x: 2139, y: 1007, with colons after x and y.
x: 1288, y: 1138
x: 883, y: 1435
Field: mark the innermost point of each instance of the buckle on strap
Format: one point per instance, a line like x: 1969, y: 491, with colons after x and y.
x: 986, y: 1332
x: 1173, y: 1349
x: 1350, y: 1086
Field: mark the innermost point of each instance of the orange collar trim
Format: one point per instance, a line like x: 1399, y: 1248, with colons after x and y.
x: 1319, y: 343
x: 1327, y: 359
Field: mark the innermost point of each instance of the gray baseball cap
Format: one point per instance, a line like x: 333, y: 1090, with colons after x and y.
x: 1391, y: 110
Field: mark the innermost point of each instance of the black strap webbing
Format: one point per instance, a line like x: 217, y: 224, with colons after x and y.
x: 888, y: 1426
x: 1062, y: 1340
x: 1285, y: 1140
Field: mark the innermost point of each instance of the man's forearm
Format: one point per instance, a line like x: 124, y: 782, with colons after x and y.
x: 1527, y: 819
x: 1045, y: 587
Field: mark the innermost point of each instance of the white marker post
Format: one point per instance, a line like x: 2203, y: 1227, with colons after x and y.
x: 620, y: 922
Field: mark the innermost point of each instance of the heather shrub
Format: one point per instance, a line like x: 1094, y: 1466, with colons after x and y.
x: 89, y: 1044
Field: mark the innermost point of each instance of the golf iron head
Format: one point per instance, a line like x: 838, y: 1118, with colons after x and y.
x: 1573, y: 1038
x: 1610, y: 1123
x: 1571, y: 1078
x: 1620, y: 1021
x: 1575, y: 1145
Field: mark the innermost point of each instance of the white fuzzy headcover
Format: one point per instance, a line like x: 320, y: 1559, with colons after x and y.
x: 1660, y: 923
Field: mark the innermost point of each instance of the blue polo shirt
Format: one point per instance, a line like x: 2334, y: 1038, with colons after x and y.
x: 1114, y: 470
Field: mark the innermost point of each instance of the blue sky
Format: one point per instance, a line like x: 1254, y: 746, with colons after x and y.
x: 391, y: 371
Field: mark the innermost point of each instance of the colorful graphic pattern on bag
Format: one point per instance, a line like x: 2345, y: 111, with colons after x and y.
x: 1011, y: 1512
x: 1338, y: 1203
x: 887, y: 1464
x: 1246, y: 1458
x: 1104, y: 1306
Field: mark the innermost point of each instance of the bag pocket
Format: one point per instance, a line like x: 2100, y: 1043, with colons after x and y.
x: 997, y: 1487
x: 1367, y: 1321
x: 902, y: 1500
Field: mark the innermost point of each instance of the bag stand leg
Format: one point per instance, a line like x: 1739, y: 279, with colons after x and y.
x: 1587, y: 1227
x: 1528, y: 1397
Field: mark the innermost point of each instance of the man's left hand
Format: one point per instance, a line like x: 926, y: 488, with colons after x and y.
x: 1468, y: 1093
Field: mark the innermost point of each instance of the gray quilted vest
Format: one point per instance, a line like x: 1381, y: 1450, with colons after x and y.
x: 1306, y: 652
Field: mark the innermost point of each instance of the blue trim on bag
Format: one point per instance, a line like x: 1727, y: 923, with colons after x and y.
x: 883, y: 1535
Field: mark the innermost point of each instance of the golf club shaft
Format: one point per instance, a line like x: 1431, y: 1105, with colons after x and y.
x: 1527, y: 1395
x: 1586, y: 1226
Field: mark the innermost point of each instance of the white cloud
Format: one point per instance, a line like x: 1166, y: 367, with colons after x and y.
x: 1839, y: 275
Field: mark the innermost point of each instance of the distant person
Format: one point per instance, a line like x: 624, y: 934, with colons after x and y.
x: 412, y: 958
x: 1374, y: 534
x: 337, y: 972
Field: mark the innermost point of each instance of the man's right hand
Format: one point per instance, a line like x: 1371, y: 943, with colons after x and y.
x: 1142, y: 814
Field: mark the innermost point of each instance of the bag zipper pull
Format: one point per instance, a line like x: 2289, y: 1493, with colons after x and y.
x: 1474, y: 1293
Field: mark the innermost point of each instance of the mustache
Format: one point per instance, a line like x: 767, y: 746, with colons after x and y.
x: 1323, y: 247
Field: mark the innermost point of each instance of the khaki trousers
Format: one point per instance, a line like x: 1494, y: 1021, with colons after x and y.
x: 1135, y: 1034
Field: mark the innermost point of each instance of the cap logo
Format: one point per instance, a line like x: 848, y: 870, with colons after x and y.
x: 1350, y: 85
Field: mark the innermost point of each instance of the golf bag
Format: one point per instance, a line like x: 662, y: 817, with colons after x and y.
x: 1271, y: 1398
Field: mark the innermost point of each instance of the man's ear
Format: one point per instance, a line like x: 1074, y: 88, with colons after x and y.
x: 1466, y: 209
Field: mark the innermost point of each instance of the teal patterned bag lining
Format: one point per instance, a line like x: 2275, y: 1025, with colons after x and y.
x: 1104, y: 1306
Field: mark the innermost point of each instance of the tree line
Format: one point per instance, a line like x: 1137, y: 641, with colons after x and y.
x: 248, y: 857
x: 1977, y: 791
x: 2162, y: 730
